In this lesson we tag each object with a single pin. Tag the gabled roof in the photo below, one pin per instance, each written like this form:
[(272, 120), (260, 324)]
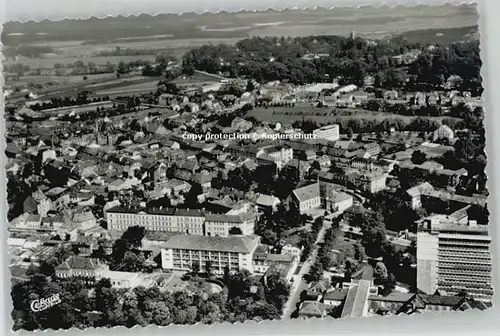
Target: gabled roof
[(419, 189), (474, 304), (319, 286), (356, 299), (312, 308), (307, 192), (267, 200), (423, 300), (79, 263)]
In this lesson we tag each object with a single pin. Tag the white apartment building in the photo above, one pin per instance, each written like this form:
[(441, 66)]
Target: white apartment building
[(181, 252), (329, 132), (454, 257)]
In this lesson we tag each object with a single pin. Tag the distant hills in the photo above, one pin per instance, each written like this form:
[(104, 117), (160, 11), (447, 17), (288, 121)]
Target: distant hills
[(442, 36), (291, 22)]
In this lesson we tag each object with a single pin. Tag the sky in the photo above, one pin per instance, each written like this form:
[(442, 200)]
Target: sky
[(24, 10)]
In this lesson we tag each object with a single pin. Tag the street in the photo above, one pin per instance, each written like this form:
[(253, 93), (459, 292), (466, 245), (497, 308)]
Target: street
[(299, 284)]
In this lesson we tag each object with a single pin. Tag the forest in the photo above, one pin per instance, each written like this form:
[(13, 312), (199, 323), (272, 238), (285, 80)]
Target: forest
[(352, 59)]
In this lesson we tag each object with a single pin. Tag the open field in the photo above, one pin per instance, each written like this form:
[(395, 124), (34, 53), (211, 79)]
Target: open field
[(114, 81), (68, 58), (320, 115), (130, 89)]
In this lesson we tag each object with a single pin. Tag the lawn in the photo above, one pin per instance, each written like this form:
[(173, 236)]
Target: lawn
[(344, 246), (176, 283)]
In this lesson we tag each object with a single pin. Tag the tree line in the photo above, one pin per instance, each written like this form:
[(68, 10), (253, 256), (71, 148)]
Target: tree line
[(272, 58)]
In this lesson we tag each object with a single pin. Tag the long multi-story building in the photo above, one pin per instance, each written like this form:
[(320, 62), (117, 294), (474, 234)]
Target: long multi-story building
[(156, 219), (454, 258), (193, 222), (181, 252)]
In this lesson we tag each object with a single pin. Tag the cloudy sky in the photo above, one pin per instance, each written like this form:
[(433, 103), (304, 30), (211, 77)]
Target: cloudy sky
[(23, 10)]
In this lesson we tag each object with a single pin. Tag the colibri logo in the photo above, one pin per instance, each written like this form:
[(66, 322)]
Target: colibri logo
[(46, 303)]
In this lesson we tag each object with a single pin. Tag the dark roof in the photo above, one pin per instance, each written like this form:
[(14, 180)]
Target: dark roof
[(157, 211), (79, 263), (209, 243), (393, 297), (336, 295), (474, 304), (423, 300)]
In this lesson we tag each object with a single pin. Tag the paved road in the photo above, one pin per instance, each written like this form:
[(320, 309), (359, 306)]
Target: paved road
[(299, 284)]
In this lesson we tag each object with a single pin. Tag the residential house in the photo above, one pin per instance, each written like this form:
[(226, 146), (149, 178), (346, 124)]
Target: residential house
[(80, 267), (436, 302), (267, 202), (338, 202), (389, 304), (311, 309), (444, 132), (334, 298), (372, 148), (414, 194), (84, 220)]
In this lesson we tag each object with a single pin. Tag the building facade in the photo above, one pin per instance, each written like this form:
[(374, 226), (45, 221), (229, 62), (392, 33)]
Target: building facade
[(307, 197), (181, 252), (454, 259), (165, 219), (329, 132), (225, 225)]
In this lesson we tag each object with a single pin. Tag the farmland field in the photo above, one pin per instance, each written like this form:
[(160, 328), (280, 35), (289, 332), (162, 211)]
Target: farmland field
[(365, 28), (63, 79), (320, 115), (65, 59)]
